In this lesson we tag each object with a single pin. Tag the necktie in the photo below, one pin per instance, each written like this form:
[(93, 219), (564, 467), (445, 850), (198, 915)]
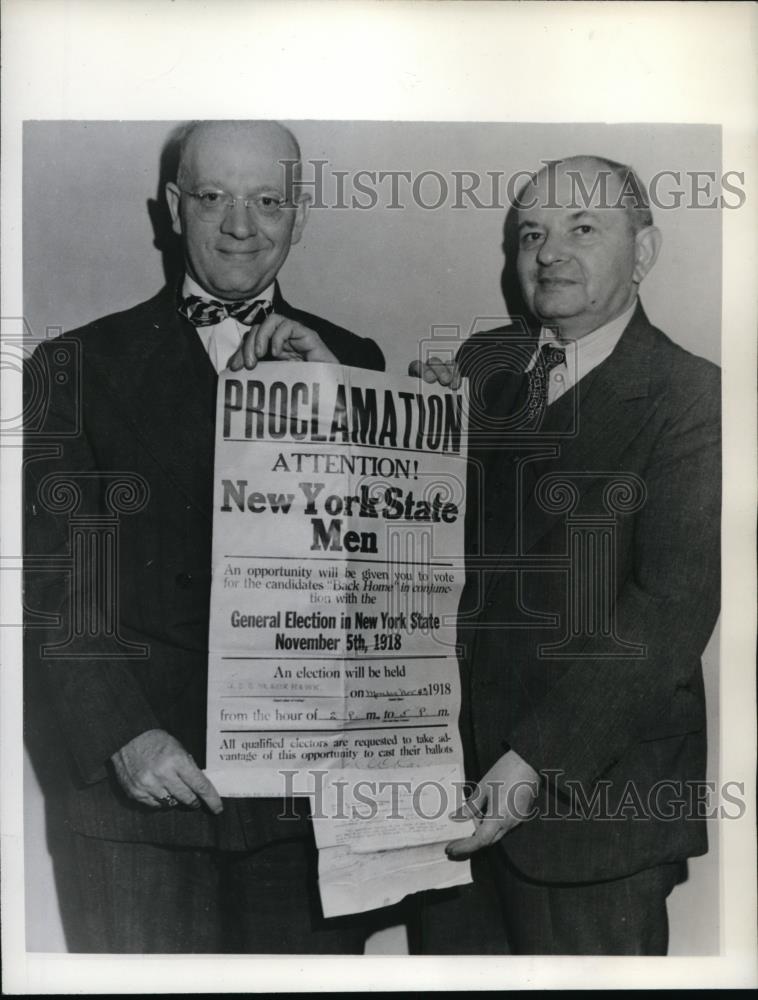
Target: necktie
[(209, 312), (539, 378)]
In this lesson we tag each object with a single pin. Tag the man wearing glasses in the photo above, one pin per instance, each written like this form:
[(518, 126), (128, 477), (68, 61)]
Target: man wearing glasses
[(156, 862)]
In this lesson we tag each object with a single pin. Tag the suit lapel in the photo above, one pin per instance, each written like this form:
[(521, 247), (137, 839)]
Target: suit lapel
[(278, 302), (172, 406), (609, 407)]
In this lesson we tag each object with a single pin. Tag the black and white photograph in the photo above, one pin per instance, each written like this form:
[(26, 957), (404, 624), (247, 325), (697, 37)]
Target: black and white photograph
[(380, 548)]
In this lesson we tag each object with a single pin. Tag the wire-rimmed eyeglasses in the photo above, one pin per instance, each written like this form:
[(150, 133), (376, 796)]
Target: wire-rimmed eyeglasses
[(212, 203)]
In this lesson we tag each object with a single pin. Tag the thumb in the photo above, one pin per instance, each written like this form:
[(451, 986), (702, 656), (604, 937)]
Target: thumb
[(201, 785)]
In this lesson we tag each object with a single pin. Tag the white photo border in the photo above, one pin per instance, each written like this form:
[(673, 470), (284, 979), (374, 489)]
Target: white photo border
[(613, 62)]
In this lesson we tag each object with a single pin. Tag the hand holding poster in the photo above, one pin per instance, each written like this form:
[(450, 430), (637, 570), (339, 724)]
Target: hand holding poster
[(337, 569)]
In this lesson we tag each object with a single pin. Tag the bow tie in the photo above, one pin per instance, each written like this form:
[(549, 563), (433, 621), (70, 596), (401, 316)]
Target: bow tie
[(209, 312)]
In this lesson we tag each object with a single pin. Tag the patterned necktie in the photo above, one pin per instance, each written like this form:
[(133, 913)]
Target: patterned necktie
[(539, 378), (209, 312)]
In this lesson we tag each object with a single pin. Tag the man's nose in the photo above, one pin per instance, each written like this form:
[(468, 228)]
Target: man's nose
[(552, 250), (239, 221)]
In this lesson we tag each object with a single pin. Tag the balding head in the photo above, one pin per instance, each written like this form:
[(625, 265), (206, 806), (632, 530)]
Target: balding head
[(236, 204), (586, 241), (589, 181), (268, 135)]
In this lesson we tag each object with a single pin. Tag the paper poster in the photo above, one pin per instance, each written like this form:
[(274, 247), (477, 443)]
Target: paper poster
[(337, 571)]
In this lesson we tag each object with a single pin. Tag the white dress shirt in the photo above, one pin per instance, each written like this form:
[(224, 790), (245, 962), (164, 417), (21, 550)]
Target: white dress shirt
[(221, 340), (582, 355)]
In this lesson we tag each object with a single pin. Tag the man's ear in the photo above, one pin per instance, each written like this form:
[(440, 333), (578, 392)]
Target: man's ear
[(302, 208), (647, 245), (173, 195)]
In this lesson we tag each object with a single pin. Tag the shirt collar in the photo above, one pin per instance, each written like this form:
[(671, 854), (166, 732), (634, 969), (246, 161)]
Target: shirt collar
[(191, 287), (587, 352)]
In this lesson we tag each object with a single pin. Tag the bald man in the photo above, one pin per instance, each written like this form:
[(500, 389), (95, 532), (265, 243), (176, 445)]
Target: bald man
[(155, 860), (593, 577)]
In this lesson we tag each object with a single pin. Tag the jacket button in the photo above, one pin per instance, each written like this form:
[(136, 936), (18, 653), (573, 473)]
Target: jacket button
[(184, 580)]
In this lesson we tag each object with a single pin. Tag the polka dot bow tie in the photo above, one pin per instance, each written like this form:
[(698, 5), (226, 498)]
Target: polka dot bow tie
[(209, 312)]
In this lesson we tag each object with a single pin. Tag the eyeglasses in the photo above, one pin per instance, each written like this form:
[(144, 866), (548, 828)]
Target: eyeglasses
[(212, 204)]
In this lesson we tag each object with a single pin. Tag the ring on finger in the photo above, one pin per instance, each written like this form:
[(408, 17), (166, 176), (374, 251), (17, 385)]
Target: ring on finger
[(169, 801)]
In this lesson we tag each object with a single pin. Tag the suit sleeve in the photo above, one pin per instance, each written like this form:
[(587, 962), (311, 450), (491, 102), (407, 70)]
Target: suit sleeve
[(366, 353), (669, 604), (350, 349), (98, 701)]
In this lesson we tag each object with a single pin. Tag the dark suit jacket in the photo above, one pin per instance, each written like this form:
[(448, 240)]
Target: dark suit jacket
[(145, 404), (600, 717)]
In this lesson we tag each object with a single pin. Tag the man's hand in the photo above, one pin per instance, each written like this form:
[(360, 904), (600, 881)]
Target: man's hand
[(289, 341), (503, 799), (436, 370), (154, 765)]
